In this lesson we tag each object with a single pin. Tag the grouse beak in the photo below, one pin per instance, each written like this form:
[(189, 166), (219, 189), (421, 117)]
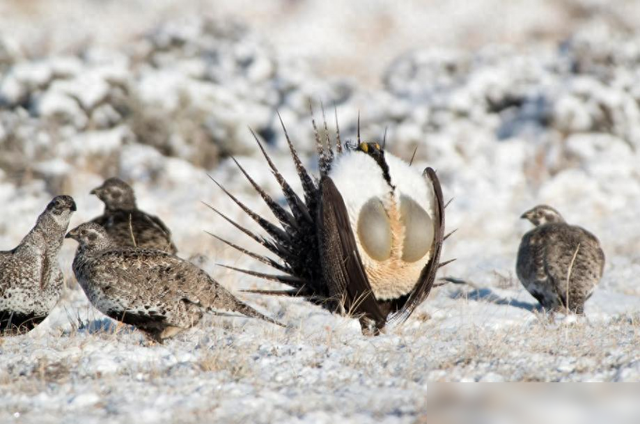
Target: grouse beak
[(524, 215), (71, 234), (95, 191), (73, 207)]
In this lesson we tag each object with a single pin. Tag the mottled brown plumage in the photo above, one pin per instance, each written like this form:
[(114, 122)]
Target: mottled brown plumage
[(30, 278), (125, 223), (153, 290), (559, 264)]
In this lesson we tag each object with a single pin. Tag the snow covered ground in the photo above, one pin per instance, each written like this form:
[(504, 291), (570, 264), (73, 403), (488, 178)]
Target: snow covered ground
[(507, 125)]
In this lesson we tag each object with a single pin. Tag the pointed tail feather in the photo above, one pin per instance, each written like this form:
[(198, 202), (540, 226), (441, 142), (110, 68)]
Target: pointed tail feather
[(276, 250), (384, 140), (287, 293), (338, 141), (324, 159), (299, 209), (413, 156), (252, 313), (261, 258), (326, 131), (308, 185), (284, 279), (277, 233), (248, 311), (319, 146), (448, 203), (449, 234), (285, 217), (445, 263), (316, 300)]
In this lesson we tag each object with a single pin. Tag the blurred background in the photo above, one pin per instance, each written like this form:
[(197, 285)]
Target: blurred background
[(359, 38), (514, 103), (530, 403)]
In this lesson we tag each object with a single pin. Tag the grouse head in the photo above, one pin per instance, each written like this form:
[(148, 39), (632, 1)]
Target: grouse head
[(59, 211), (542, 214), (90, 236), (116, 195)]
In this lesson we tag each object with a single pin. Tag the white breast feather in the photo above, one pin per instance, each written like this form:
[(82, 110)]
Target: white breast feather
[(359, 178)]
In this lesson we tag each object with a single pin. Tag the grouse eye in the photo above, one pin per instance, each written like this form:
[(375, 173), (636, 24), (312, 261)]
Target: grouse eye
[(93, 236), (418, 235), (374, 231), (116, 194)]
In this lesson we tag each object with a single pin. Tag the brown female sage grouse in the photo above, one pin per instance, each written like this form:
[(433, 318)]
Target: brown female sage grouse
[(559, 264), (365, 240), (158, 293), (125, 223), (30, 278)]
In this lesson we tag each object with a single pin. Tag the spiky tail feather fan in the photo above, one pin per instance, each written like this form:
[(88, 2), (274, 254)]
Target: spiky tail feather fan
[(297, 245), (295, 241)]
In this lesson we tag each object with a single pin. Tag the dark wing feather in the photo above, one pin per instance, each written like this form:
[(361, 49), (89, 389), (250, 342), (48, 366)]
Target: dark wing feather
[(342, 267), (428, 274), (101, 220), (158, 223), (148, 230)]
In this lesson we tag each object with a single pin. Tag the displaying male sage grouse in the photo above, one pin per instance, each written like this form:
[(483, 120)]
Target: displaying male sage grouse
[(559, 264), (30, 278), (152, 290), (125, 223), (365, 240)]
